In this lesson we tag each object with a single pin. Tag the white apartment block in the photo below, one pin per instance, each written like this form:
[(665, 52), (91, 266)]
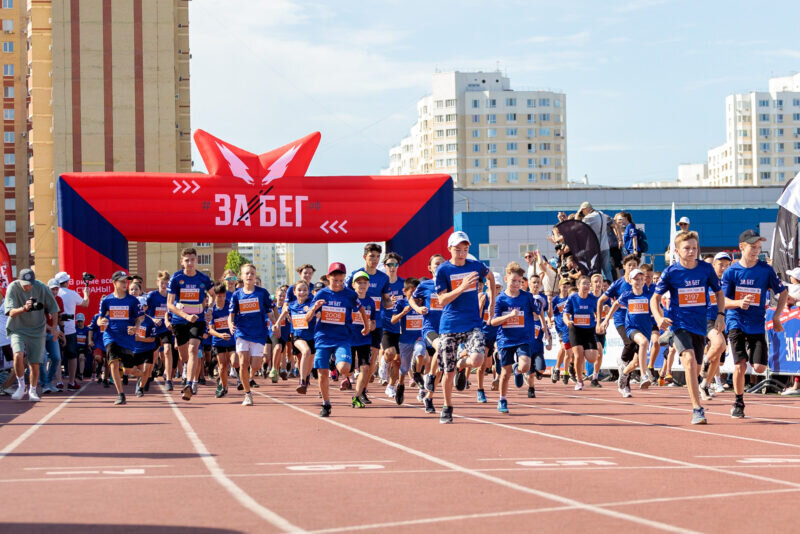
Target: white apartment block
[(762, 137), (478, 130), (276, 262)]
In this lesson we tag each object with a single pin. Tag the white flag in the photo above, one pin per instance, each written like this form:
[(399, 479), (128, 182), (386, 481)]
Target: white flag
[(790, 199), (672, 256)]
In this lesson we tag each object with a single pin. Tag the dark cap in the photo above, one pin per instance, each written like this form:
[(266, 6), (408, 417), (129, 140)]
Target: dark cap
[(26, 276), (120, 275), (750, 236), (337, 267), (318, 286)]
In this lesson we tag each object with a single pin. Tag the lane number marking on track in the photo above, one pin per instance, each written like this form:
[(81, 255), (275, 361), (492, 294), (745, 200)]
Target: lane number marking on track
[(564, 463), (82, 472), (334, 467)]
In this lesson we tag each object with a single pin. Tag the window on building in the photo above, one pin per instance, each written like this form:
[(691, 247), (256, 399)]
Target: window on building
[(12, 250), (492, 177), (511, 132), (439, 163), (779, 162), (763, 132), (476, 178), (511, 102), (512, 162), (476, 119), (450, 103), (763, 117), (487, 251), (491, 148), (513, 177), (8, 137), (9, 159), (544, 146), (511, 147), (476, 163), (556, 103), (531, 103), (491, 102), (796, 102), (8, 4), (778, 132), (531, 163), (204, 259), (202, 244), (8, 46), (544, 102), (452, 147), (451, 162), (439, 104), (476, 147), (11, 226), (491, 118), (8, 114), (531, 132), (781, 177), (544, 132), (764, 147), (797, 160), (451, 117), (451, 132), (8, 25), (779, 117), (532, 148), (764, 161), (8, 91), (546, 162), (439, 148), (544, 116), (10, 204), (796, 116), (763, 103), (491, 132), (531, 118), (476, 104), (511, 117), (547, 175), (8, 69), (438, 133), (765, 176), (476, 134), (438, 118), (779, 147), (492, 163)]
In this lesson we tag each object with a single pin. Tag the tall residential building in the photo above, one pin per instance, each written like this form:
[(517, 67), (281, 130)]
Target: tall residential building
[(276, 262), (486, 135), (13, 14), (762, 137), (109, 91)]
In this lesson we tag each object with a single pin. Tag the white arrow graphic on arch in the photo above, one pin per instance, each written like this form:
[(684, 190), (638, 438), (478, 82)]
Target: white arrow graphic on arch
[(177, 186), (322, 226), (334, 227), (196, 187)]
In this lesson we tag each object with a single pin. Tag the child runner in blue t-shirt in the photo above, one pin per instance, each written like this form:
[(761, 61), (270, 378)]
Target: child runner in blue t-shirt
[(410, 342), (222, 342)]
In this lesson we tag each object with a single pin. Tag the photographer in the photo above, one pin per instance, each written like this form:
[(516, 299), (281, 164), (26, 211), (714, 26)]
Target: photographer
[(27, 303), (71, 301)]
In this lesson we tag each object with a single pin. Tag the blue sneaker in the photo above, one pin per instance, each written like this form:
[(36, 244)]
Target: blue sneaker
[(699, 416), (481, 396), (502, 406), (519, 380)]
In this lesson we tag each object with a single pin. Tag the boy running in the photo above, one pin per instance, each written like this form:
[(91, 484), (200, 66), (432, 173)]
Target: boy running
[(222, 342), (557, 305), (302, 331), (431, 311), (411, 344), (361, 344), (579, 316)]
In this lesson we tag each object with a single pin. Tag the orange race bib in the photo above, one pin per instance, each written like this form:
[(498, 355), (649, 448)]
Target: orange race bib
[(712, 299), (582, 320), (457, 279), (435, 302), (249, 305), (413, 322), (332, 315), (638, 306), (357, 316), (537, 331), (161, 312), (518, 321), (221, 323), (81, 339), (103, 328), (118, 312), (377, 301), (486, 315), (742, 292), (192, 309), (141, 331), (299, 322), (691, 296), (189, 294)]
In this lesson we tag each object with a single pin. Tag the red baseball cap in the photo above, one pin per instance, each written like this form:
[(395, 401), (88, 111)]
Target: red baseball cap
[(337, 267)]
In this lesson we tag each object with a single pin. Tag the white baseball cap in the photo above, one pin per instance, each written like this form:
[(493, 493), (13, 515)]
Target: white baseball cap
[(634, 273), (726, 256), (62, 277), (684, 220), (794, 273), (457, 238)]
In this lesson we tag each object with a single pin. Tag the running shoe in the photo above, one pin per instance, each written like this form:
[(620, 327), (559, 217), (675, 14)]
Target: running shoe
[(621, 381), (220, 392), (73, 387), (789, 392), (356, 403), (718, 388), (418, 380), (240, 386), (705, 392), (446, 417), (430, 382), (248, 399), (345, 385), (461, 380), (565, 378), (538, 374), (302, 388), (626, 392), (187, 393), (579, 385), (253, 383), (429, 406), (390, 392), (699, 416), (519, 380), (201, 381), (32, 395), (572, 374), (400, 396), (120, 399), (554, 375), (283, 374), (644, 384), (502, 406), (595, 383), (194, 388), (481, 396), (737, 412), (421, 395), (169, 385), (495, 383), (383, 372), (139, 392), (652, 376), (531, 393), (273, 375), (364, 398), (325, 411), (19, 393)]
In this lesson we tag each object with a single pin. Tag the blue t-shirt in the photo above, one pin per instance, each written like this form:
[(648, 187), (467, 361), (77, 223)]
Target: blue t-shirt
[(378, 287), (430, 321), (121, 313), (410, 324), (517, 330), (712, 310), (356, 338), (191, 292), (250, 312), (97, 332), (638, 316), (395, 290), (582, 310), (146, 329), (297, 314), (462, 314), (83, 336), (219, 319), (335, 317), (157, 309), (739, 281), (559, 303), (489, 331), (627, 238), (613, 292), (687, 294)]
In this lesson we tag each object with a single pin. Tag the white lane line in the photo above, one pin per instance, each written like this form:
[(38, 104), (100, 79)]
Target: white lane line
[(489, 478), (547, 458), (222, 479), (621, 450), (328, 462), (8, 449), (749, 456), (118, 466), (490, 515)]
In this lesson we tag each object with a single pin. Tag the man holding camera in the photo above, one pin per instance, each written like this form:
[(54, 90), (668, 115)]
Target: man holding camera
[(71, 301), (27, 303)]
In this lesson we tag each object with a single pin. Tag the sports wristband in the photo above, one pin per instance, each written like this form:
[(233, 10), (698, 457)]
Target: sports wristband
[(720, 313)]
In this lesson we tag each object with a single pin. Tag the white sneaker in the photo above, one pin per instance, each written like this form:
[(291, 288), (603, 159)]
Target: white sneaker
[(717, 388), (421, 395), (32, 395), (248, 399), (390, 392), (50, 388), (644, 384), (790, 392), (9, 390), (626, 393), (579, 386), (383, 371), (232, 372), (19, 393)]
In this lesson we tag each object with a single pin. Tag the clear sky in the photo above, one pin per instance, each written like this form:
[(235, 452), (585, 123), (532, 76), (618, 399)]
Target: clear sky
[(645, 79)]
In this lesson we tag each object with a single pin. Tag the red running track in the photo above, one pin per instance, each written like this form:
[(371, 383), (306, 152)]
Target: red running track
[(566, 461)]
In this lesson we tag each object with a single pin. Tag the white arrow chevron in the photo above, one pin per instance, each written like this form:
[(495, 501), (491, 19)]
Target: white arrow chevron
[(333, 227), (196, 187), (186, 186), (323, 227), (341, 226), (177, 187)]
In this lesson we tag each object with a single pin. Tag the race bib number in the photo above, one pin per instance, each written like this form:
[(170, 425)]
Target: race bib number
[(560, 306), (221, 323), (435, 302), (712, 299), (190, 294), (249, 306), (299, 322), (141, 331), (537, 331), (81, 339), (689, 297), (377, 301), (582, 320), (333, 315), (518, 321), (357, 317), (161, 312), (118, 312), (103, 327), (193, 309), (638, 306), (754, 292), (413, 322), (486, 315), (457, 279)]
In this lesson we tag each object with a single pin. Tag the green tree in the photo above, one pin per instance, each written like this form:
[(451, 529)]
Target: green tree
[(235, 261)]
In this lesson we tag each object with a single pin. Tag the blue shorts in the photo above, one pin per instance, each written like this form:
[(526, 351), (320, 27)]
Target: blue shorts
[(322, 357), (508, 354), (564, 334)]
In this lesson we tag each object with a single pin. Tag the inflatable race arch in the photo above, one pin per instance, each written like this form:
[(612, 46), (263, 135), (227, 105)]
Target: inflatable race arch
[(248, 198)]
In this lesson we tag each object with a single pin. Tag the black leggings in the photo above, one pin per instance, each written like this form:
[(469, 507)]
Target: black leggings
[(630, 349)]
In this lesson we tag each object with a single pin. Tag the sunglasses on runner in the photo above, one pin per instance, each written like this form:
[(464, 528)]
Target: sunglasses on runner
[(391, 265)]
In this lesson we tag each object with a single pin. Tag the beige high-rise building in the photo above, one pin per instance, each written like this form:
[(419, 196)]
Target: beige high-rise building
[(13, 14), (109, 86), (486, 135)]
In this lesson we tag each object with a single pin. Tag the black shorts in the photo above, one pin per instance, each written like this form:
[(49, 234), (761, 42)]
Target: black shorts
[(278, 340), (377, 335), (489, 344), (216, 351), (685, 340), (582, 337), (748, 347), (431, 350), (70, 349), (8, 353), (188, 331), (140, 358), (390, 340), (115, 352), (164, 338), (310, 342), (362, 355), (601, 339)]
